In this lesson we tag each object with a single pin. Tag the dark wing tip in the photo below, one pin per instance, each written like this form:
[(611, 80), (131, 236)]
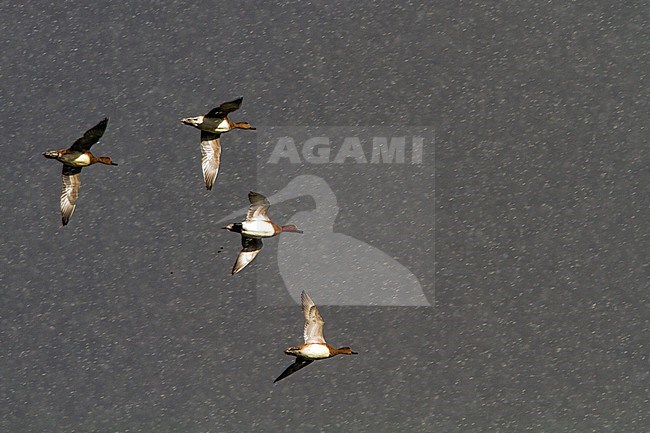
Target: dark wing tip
[(90, 137), (230, 106), (225, 108), (102, 124), (297, 365)]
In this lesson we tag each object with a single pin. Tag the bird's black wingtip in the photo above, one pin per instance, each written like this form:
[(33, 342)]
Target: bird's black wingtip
[(280, 377)]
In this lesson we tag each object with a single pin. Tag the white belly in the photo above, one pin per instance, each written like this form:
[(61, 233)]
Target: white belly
[(258, 229), (315, 351)]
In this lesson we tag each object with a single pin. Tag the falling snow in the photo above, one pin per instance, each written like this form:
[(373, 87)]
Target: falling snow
[(526, 224)]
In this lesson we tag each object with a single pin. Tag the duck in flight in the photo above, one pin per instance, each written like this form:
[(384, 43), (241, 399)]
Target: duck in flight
[(383, 280), (212, 125), (74, 159), (254, 228), (315, 346)]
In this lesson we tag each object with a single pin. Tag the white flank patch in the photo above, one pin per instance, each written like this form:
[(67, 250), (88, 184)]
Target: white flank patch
[(224, 126), (315, 351), (257, 229), (82, 159)]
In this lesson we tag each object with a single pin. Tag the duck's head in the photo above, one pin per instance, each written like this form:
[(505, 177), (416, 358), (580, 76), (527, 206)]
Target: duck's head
[(345, 351), (290, 228), (52, 154), (244, 125), (192, 121)]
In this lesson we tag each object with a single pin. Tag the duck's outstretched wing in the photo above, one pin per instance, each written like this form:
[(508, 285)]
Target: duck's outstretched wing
[(313, 331), (210, 157), (258, 210), (222, 110), (90, 137), (250, 248), (70, 183), (297, 365)]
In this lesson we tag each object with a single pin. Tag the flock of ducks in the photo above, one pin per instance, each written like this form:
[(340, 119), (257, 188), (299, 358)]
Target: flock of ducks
[(256, 226)]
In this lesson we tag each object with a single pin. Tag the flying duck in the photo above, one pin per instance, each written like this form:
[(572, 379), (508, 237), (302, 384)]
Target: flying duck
[(304, 259), (212, 125), (315, 346), (74, 159), (256, 226)]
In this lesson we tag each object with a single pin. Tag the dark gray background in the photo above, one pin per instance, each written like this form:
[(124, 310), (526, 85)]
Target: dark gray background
[(540, 321), (386, 207)]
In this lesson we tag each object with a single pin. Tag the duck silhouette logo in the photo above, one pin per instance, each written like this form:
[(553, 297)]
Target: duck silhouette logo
[(346, 270)]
